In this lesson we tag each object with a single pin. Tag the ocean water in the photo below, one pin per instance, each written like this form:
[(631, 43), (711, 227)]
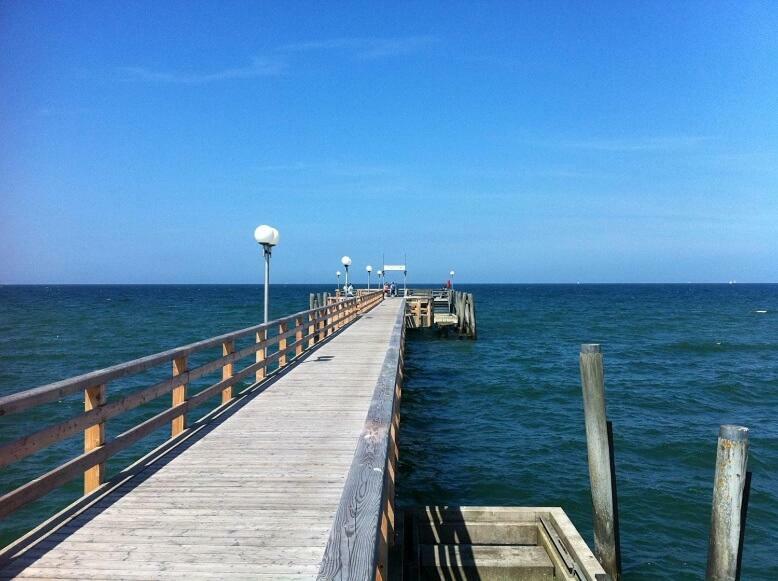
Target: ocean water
[(497, 421)]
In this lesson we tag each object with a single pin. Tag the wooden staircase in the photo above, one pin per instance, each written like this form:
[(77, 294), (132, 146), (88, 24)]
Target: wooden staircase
[(494, 544)]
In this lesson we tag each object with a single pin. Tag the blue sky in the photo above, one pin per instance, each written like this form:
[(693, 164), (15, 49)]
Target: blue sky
[(513, 142)]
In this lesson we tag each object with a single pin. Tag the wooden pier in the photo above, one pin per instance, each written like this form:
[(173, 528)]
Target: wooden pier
[(291, 477), (445, 310)]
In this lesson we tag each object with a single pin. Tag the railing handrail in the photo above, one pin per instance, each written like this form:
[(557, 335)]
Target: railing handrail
[(25, 399), (309, 326), (362, 525)]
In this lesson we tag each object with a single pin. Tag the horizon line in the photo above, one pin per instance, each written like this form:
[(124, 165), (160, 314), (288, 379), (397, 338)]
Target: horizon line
[(361, 285)]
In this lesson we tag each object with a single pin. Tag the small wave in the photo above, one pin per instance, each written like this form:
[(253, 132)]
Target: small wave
[(761, 311), (717, 346)]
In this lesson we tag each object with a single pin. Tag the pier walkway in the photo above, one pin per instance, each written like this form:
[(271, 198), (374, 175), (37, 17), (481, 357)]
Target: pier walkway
[(288, 482)]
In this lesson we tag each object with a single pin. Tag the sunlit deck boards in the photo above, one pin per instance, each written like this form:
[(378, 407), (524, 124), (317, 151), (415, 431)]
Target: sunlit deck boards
[(253, 498)]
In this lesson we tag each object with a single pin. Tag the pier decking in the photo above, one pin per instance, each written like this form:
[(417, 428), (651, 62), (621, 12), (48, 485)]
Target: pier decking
[(258, 497)]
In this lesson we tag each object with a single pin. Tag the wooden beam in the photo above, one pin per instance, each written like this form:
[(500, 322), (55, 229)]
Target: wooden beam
[(282, 330), (261, 353), (178, 424), (298, 336), (228, 347), (94, 437)]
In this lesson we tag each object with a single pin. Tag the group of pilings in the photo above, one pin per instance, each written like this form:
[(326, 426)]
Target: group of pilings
[(463, 306), (731, 484), (316, 300)]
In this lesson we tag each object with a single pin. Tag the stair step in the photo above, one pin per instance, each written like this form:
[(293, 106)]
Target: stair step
[(468, 514), (478, 533), (486, 563)]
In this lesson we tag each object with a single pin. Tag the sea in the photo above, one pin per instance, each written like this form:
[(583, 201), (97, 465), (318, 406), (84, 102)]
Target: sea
[(495, 421)]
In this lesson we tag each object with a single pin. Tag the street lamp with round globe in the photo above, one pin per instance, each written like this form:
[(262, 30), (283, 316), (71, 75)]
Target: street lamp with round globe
[(451, 274), (337, 273), (267, 237), (346, 262), (369, 269)]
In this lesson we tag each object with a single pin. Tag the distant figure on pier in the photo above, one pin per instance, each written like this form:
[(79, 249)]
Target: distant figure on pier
[(386, 289), (393, 290), (350, 291), (448, 284)]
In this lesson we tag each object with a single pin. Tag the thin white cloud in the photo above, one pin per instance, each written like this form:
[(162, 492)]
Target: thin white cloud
[(259, 67), (332, 168), (365, 48), (276, 64), (662, 143)]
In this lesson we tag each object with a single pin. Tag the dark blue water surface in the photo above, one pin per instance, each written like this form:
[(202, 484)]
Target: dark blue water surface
[(497, 421)]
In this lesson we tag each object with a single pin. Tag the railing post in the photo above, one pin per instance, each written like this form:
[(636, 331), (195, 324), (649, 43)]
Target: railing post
[(228, 348), (94, 437), (311, 329), (298, 336), (178, 424), (728, 486), (261, 336), (605, 539), (282, 328)]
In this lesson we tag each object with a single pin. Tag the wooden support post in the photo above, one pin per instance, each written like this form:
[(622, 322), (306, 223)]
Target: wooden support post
[(322, 313), (260, 375), (473, 333), (94, 437), (282, 328), (593, 383), (228, 348), (311, 329), (728, 486), (178, 424), (298, 336)]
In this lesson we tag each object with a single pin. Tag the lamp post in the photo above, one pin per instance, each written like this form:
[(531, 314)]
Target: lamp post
[(451, 274), (267, 236), (381, 279), (337, 273), (369, 269), (346, 262)]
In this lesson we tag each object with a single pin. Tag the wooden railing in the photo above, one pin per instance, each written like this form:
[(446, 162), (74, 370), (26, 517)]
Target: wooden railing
[(306, 328), (363, 530)]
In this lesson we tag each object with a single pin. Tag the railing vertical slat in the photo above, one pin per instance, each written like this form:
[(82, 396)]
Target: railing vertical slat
[(311, 329), (178, 424), (228, 348), (260, 375), (94, 437), (282, 328), (298, 336)]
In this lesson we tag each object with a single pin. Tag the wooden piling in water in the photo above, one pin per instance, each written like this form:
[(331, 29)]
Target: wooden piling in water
[(728, 486), (603, 505)]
